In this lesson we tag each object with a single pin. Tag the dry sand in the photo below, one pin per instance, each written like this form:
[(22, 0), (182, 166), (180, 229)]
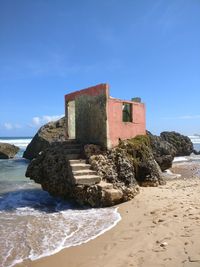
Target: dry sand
[(159, 227)]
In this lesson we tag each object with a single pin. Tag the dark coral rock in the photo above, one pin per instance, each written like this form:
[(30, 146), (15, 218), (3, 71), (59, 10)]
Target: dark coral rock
[(147, 171), (163, 151), (50, 169), (182, 143), (47, 134), (8, 151)]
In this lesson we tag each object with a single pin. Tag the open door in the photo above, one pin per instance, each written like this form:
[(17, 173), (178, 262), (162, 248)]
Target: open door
[(71, 120)]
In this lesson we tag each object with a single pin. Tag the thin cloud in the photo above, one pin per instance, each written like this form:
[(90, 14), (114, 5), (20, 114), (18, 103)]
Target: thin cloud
[(11, 126), (8, 126), (184, 117), (39, 121)]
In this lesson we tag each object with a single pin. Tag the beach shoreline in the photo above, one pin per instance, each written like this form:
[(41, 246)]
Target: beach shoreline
[(159, 227)]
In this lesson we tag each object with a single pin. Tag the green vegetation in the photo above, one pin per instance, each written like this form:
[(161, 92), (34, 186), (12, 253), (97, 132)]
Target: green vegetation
[(138, 150)]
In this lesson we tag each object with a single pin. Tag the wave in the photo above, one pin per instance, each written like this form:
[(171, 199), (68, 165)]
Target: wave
[(46, 225), (195, 139), (191, 158), (22, 142)]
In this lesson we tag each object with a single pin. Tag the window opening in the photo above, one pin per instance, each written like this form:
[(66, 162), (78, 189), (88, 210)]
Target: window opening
[(127, 112)]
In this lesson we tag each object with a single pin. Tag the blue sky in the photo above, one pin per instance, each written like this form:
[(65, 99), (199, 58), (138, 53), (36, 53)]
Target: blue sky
[(146, 48)]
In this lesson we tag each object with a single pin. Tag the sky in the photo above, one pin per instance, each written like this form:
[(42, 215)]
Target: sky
[(145, 48)]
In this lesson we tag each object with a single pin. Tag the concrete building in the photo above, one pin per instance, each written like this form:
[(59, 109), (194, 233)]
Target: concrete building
[(93, 117)]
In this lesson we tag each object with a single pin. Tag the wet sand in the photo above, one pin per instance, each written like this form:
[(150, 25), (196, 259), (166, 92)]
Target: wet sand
[(159, 227)]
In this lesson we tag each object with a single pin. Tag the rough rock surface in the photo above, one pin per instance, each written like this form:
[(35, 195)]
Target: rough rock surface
[(122, 170), (8, 151), (182, 143), (50, 169), (147, 171), (114, 167), (163, 151), (196, 152), (135, 162), (131, 163), (47, 134)]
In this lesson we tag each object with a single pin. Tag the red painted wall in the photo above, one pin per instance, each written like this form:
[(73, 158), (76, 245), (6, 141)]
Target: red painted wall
[(116, 128), (124, 130)]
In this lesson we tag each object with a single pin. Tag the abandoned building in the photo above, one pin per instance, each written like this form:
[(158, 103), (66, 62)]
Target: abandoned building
[(94, 117)]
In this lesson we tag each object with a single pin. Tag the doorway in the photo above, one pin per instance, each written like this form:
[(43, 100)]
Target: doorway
[(71, 120)]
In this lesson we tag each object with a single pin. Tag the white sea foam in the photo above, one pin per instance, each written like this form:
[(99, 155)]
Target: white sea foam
[(180, 159), (22, 143), (35, 225), (190, 158), (195, 139)]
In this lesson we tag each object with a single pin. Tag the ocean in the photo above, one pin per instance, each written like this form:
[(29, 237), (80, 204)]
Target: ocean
[(32, 223), (195, 140)]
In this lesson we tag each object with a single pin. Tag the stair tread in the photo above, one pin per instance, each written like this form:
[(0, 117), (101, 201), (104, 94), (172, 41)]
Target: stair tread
[(87, 176), (83, 171), (77, 160), (80, 164)]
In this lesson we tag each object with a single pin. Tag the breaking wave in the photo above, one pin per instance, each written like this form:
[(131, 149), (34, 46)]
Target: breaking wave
[(33, 224)]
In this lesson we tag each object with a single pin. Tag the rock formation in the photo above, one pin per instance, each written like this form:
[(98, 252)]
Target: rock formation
[(8, 151), (163, 151), (169, 145), (182, 144), (105, 177), (50, 169), (47, 134), (118, 172), (147, 171), (196, 152)]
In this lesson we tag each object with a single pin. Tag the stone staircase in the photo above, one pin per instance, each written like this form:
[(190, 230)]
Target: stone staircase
[(81, 173), (73, 150)]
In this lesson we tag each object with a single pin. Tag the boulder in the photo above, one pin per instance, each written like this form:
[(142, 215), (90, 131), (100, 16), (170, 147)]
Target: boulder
[(147, 171), (50, 169), (196, 152), (121, 171), (8, 151), (47, 134), (182, 143), (114, 166), (163, 151)]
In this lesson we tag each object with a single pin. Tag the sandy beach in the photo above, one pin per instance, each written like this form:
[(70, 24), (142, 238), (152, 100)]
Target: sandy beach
[(159, 227)]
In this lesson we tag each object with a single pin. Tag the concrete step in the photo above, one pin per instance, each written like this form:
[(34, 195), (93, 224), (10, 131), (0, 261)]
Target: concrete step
[(72, 161), (105, 185), (113, 195), (87, 179), (73, 157), (84, 172), (80, 166)]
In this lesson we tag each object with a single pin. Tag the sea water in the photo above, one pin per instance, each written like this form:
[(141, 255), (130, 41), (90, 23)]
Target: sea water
[(32, 223)]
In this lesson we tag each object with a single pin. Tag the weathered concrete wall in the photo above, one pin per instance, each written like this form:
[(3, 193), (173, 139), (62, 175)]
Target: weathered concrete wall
[(92, 91), (124, 130), (99, 117), (90, 110), (91, 119), (71, 119)]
